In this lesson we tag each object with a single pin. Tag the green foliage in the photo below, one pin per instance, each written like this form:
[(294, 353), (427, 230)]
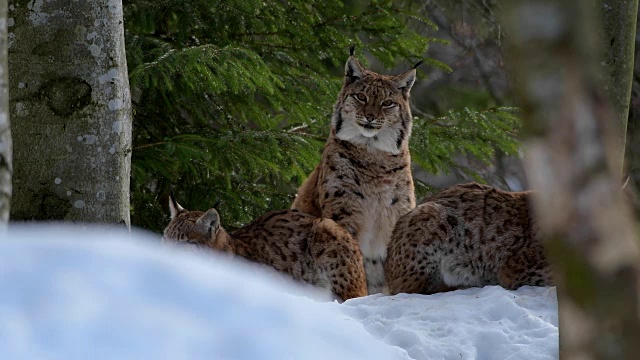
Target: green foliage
[(232, 99), (478, 134)]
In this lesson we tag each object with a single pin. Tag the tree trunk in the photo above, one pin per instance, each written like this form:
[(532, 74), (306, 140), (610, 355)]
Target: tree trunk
[(5, 130), (632, 149), (619, 23), (71, 111), (572, 157)]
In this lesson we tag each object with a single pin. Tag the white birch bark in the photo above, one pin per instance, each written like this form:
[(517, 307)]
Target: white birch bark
[(71, 111)]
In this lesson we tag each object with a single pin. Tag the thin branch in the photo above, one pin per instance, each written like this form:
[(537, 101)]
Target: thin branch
[(149, 145)]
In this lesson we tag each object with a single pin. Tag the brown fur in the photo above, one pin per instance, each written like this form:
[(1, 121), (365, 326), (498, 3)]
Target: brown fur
[(363, 181), (316, 251), (467, 235)]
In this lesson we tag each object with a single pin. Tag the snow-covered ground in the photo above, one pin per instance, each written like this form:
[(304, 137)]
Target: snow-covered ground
[(103, 294), (478, 323)]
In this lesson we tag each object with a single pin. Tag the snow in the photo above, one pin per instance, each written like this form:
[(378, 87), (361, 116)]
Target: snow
[(476, 323), (101, 293)]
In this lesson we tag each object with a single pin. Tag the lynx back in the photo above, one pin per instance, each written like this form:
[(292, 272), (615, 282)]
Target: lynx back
[(467, 235), (316, 251)]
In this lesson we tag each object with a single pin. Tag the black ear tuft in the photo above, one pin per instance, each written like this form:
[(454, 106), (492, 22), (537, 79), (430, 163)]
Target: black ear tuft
[(352, 50), (218, 202), (174, 207), (405, 81), (417, 64), (210, 219), (353, 70), (172, 199)]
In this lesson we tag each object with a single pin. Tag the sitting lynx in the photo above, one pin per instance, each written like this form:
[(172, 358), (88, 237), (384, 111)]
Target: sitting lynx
[(316, 251), (467, 235), (363, 181)]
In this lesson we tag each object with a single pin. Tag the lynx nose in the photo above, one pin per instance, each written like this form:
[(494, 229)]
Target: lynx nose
[(369, 118)]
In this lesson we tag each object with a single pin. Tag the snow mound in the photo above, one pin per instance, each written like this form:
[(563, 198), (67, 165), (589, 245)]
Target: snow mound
[(103, 294), (478, 323)]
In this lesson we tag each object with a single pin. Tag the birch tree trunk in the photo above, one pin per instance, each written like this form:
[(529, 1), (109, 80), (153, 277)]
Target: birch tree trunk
[(572, 160), (5, 130), (71, 111)]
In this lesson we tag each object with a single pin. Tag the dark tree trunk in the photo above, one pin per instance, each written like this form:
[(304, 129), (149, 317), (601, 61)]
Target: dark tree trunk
[(71, 111), (6, 162), (632, 149), (619, 22), (573, 153)]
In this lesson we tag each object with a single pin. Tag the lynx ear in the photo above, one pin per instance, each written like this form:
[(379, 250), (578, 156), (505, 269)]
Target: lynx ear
[(174, 207), (210, 219), (353, 71), (405, 81)]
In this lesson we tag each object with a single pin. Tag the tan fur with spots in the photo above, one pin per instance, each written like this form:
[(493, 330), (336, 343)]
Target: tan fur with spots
[(363, 181), (316, 251), (465, 236)]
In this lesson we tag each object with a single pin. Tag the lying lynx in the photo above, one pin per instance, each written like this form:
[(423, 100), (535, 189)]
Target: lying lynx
[(316, 251), (363, 181), (467, 235)]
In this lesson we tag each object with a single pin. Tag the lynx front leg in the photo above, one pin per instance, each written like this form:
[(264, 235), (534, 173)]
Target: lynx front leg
[(345, 207), (338, 259), (374, 268)]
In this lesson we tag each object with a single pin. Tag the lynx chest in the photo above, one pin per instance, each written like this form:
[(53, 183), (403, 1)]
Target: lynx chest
[(367, 194)]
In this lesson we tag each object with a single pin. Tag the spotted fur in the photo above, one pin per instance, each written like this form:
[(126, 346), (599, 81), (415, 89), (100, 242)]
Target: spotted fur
[(467, 235), (363, 181), (316, 251)]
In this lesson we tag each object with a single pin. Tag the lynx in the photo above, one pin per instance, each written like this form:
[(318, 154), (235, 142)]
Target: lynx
[(467, 235), (312, 250), (363, 181)]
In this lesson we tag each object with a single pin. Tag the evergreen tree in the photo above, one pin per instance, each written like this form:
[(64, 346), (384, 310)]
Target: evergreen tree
[(232, 99)]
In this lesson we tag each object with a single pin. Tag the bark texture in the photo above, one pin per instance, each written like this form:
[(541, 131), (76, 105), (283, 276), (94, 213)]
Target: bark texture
[(6, 169), (572, 160), (619, 23), (632, 152), (71, 111)]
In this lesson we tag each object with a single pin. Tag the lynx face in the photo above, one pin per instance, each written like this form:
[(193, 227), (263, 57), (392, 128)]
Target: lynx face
[(191, 227), (373, 109)]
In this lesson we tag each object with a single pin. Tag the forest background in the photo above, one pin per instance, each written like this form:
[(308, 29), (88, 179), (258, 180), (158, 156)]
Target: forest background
[(232, 100)]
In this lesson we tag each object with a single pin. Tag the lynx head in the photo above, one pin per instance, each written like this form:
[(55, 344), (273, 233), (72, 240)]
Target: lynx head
[(198, 228), (373, 109)]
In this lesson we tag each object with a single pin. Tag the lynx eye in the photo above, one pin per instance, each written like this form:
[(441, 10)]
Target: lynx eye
[(361, 97), (388, 103)]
